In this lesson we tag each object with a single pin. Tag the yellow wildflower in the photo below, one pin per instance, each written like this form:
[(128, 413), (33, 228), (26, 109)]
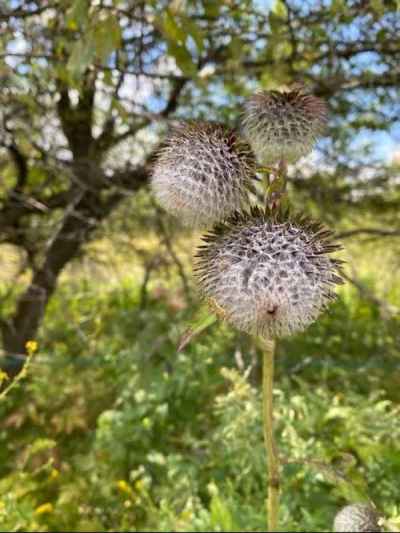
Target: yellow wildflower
[(31, 346), (140, 485), (124, 487), (54, 473), (44, 508)]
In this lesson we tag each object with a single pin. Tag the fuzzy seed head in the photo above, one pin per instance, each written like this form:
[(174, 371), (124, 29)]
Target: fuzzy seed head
[(357, 517), (268, 274), (283, 125), (202, 173)]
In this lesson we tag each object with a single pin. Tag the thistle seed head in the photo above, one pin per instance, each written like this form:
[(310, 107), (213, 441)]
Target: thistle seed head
[(357, 517), (283, 125), (202, 173), (268, 273)]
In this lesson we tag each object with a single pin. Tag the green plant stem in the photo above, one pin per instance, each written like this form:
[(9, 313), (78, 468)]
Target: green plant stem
[(22, 374), (272, 456), (274, 181)]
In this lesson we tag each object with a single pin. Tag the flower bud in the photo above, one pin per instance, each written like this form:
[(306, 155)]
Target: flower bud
[(283, 125), (202, 173), (268, 273), (357, 517)]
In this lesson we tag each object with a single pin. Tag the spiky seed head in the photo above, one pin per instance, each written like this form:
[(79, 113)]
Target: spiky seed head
[(357, 517), (267, 273), (202, 173), (283, 125)]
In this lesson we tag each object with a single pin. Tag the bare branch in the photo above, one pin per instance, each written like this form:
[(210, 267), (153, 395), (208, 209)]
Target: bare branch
[(387, 310), (171, 251)]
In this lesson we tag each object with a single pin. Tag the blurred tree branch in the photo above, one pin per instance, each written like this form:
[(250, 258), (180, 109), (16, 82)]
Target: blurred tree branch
[(387, 311)]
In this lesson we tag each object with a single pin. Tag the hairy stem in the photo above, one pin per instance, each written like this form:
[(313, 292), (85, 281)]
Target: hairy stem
[(274, 181), (272, 456)]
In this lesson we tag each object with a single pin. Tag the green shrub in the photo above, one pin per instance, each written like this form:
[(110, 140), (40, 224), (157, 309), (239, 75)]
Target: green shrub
[(113, 430)]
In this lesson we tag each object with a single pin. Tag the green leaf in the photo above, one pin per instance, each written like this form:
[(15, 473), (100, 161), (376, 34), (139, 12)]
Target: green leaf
[(176, 34), (196, 329), (61, 72), (107, 37), (83, 53), (338, 6), (171, 30), (195, 32), (40, 445), (378, 6), (211, 8), (183, 59), (77, 15), (279, 9), (37, 175), (220, 514)]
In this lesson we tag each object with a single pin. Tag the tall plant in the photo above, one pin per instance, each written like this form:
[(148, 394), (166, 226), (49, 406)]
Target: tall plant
[(264, 270)]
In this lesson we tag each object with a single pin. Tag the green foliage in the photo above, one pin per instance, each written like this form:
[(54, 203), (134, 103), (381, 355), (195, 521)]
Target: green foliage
[(113, 430), (102, 37)]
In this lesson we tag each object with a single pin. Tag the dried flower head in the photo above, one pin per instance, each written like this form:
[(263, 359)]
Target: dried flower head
[(268, 273), (202, 173), (357, 517), (283, 125)]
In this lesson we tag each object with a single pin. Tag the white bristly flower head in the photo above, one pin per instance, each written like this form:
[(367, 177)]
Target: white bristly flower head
[(283, 125), (268, 273), (202, 173), (357, 517)]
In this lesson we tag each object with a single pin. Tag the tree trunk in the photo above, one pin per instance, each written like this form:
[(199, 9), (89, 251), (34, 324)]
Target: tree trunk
[(75, 230)]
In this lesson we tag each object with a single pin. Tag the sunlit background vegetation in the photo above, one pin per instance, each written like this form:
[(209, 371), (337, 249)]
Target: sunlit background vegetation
[(111, 428)]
